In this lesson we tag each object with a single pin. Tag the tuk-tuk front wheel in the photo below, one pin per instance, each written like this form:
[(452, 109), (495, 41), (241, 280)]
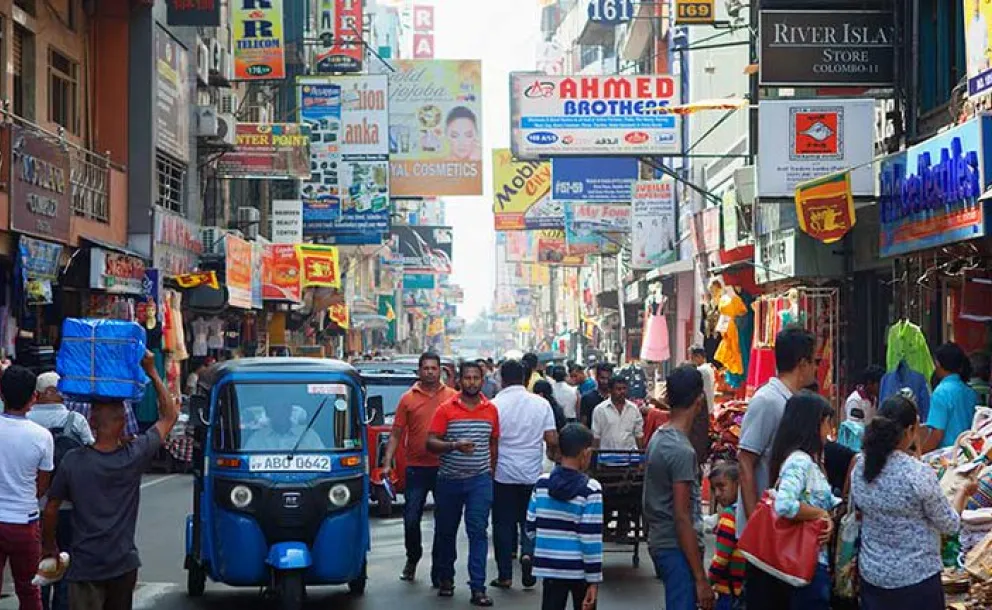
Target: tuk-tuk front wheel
[(357, 586), (290, 590), (196, 579)]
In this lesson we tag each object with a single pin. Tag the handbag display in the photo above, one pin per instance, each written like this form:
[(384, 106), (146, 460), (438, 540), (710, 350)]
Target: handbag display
[(786, 549)]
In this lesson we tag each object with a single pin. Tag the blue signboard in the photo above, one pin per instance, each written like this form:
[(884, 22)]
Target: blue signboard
[(929, 194), (593, 179), (418, 281), (610, 12)]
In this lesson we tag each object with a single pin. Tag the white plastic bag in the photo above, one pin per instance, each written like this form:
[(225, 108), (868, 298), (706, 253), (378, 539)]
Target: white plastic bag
[(49, 571)]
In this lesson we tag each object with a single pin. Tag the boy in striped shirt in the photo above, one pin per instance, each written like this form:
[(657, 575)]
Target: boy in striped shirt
[(727, 569), (565, 519)]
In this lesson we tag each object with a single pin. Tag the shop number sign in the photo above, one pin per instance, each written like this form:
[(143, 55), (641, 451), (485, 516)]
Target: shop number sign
[(694, 12), (611, 12)]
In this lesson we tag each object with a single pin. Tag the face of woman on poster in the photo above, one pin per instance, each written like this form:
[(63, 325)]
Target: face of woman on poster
[(463, 137)]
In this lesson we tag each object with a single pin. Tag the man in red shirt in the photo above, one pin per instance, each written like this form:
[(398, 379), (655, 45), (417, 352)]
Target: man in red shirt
[(464, 433), (410, 426)]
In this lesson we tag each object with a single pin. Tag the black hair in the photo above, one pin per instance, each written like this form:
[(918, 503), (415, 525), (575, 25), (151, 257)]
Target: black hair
[(17, 386), (530, 360), (461, 112), (813, 387), (428, 356), (793, 344), (512, 373), (603, 367), (952, 359), (981, 367), (558, 373), (543, 389), (884, 432), (573, 439), (470, 364), (574, 367), (725, 469), (697, 350), (800, 429), (683, 387), (872, 374), (616, 380)]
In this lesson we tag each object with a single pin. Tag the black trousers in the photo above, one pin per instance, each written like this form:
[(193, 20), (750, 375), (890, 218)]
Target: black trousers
[(555, 593), (762, 590)]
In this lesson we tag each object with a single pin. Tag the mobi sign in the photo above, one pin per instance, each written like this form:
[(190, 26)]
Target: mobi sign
[(594, 115)]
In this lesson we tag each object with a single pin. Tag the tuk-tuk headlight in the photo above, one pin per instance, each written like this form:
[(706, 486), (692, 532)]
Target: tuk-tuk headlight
[(339, 495), (241, 496)]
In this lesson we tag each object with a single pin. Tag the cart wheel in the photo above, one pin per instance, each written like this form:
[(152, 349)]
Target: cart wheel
[(196, 579), (357, 586), (289, 589), (636, 560), (384, 504)]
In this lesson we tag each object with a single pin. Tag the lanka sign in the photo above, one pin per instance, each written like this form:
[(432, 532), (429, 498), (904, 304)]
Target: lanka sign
[(259, 52), (522, 194), (930, 193), (319, 265), (825, 207)]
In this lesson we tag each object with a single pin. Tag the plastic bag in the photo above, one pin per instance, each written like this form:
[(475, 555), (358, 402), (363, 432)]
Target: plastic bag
[(49, 572), (846, 555)]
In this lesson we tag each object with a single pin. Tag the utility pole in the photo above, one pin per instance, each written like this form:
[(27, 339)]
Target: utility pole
[(755, 89)]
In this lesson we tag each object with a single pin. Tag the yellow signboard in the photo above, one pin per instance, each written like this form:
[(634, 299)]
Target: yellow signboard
[(522, 194), (695, 12)]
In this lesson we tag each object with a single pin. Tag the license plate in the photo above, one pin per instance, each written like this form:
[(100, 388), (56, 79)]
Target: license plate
[(296, 463)]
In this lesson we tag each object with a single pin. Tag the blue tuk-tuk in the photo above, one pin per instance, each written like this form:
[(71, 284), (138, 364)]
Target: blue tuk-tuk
[(281, 486)]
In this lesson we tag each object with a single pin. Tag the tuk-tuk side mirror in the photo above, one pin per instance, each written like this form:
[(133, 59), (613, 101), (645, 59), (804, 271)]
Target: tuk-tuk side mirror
[(199, 409), (374, 411)]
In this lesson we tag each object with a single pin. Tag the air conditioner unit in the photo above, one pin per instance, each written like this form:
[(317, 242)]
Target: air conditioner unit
[(226, 127), (215, 53), (248, 220), (213, 239), (202, 63), (206, 122), (228, 103), (226, 68)]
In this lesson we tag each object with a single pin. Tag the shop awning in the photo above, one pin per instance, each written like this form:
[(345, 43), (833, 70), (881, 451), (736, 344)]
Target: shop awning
[(682, 266)]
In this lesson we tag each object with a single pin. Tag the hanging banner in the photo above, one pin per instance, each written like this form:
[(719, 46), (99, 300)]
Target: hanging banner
[(257, 250), (553, 250), (652, 223), (978, 41), (521, 246), (319, 266), (200, 278), (825, 207), (281, 273), (594, 115), (238, 271), (600, 217), (578, 241), (340, 315), (267, 151), (340, 23), (522, 194), (423, 249), (320, 109), (593, 179), (177, 246), (259, 52), (435, 128)]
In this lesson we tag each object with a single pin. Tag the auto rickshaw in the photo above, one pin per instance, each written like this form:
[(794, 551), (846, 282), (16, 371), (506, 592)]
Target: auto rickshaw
[(281, 490)]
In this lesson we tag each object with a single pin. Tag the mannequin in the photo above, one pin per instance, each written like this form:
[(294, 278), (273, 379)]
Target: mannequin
[(791, 314), (655, 346), (710, 316)]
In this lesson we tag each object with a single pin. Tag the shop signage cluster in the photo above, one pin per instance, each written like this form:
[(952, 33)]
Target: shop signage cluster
[(652, 224), (522, 194), (593, 179), (116, 273), (267, 150), (193, 13), (424, 249), (281, 273), (259, 48), (339, 23), (423, 32), (435, 128), (171, 96), (177, 246), (594, 115), (827, 48), (978, 40), (40, 202), (287, 221), (238, 270), (930, 193), (803, 140)]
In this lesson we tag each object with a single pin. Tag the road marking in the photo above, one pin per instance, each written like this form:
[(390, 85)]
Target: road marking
[(154, 482)]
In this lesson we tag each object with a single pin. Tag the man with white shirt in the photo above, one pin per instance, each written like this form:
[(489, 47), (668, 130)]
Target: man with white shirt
[(617, 423), (698, 355), (566, 394), (526, 424), (27, 456)]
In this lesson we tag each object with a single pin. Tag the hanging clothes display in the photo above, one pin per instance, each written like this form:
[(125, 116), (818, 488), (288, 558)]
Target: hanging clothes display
[(906, 342), (708, 319), (745, 334), (655, 345), (905, 378), (729, 352), (200, 329), (179, 352)]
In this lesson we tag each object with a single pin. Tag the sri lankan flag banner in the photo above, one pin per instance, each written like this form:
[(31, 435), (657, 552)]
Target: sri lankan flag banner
[(825, 207), (203, 278), (340, 315)]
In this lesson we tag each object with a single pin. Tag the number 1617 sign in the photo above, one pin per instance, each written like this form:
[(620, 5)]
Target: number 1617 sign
[(611, 12)]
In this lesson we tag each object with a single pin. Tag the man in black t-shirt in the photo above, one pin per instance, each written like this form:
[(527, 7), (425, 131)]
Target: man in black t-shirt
[(591, 400)]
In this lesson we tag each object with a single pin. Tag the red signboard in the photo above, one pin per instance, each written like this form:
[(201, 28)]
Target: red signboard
[(342, 26), (267, 150), (281, 273)]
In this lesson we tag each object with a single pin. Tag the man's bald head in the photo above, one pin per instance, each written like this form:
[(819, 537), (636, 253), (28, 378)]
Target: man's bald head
[(108, 419)]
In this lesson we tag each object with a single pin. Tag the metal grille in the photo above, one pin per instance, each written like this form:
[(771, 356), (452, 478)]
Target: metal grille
[(90, 178), (171, 178)]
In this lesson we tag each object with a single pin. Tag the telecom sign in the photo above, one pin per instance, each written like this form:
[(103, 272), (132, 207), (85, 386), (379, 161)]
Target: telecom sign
[(610, 12), (594, 115)]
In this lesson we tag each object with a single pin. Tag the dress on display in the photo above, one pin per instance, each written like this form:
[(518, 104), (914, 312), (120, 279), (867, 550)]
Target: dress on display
[(745, 333), (729, 352), (655, 347), (200, 329)]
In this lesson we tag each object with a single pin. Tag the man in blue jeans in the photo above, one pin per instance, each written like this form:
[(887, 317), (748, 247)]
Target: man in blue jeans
[(672, 506), (464, 433), (414, 415)]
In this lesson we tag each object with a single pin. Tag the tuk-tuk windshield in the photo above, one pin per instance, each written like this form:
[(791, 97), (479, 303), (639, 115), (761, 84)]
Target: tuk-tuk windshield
[(260, 417)]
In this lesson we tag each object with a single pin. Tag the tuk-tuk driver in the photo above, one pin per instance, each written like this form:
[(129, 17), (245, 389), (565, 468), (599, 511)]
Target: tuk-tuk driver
[(281, 433)]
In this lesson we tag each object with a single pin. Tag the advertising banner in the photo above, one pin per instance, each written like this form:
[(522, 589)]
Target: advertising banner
[(978, 34), (281, 273), (237, 265), (803, 140), (929, 193), (193, 13), (177, 246), (319, 266), (435, 128), (521, 246), (287, 221), (320, 109), (595, 115), (116, 273), (418, 281), (259, 50), (522, 194), (552, 249), (835, 48), (39, 264), (423, 249), (652, 224), (600, 217), (257, 254), (341, 23), (171, 96), (40, 189), (580, 241), (593, 179), (267, 150)]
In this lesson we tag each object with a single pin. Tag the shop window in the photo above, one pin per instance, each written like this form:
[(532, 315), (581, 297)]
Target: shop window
[(23, 68), (171, 178), (63, 91), (941, 57), (90, 177)]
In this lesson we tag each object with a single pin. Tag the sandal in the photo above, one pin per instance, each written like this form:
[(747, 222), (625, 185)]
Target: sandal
[(501, 584), (446, 589), (479, 598), (527, 569), (409, 572)]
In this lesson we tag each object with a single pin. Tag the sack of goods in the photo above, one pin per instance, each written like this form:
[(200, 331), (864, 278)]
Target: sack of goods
[(101, 359)]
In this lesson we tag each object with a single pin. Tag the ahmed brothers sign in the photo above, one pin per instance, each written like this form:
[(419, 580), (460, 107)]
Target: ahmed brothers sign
[(827, 48)]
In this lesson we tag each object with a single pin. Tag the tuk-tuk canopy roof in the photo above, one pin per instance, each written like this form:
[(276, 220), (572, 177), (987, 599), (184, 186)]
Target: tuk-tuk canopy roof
[(277, 366)]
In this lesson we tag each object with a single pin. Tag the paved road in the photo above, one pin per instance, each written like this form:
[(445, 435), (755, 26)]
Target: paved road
[(167, 498)]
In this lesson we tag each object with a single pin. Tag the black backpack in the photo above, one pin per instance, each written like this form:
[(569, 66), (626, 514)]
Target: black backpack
[(65, 439)]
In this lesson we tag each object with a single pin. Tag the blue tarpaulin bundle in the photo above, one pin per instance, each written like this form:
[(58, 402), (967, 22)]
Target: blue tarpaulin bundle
[(101, 359)]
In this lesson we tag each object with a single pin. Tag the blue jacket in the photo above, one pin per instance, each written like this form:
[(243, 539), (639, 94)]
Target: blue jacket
[(905, 377)]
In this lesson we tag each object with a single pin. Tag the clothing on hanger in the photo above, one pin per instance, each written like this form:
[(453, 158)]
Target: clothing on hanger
[(729, 352), (200, 331), (906, 342), (906, 378), (655, 345)]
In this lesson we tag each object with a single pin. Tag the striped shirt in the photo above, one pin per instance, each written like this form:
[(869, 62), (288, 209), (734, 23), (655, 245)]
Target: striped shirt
[(568, 536), (727, 569), (131, 427), (455, 421)]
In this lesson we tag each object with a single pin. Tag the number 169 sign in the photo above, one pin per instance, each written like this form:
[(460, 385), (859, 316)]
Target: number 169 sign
[(611, 12), (692, 12)]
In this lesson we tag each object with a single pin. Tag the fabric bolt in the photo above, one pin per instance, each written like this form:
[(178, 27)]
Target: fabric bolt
[(729, 352), (906, 343), (952, 408), (20, 544), (903, 514), (671, 459), (617, 430), (414, 415), (473, 496), (565, 522), (420, 480), (509, 520), (680, 587), (905, 377), (802, 482), (568, 397), (26, 448), (728, 565), (455, 421), (524, 418)]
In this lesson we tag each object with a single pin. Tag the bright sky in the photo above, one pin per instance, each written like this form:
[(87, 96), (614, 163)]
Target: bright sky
[(504, 35)]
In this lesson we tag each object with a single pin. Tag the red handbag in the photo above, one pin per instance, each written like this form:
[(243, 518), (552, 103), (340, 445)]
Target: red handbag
[(786, 549)]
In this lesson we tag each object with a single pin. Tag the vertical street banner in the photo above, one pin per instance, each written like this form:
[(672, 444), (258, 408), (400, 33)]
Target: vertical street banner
[(652, 224), (171, 96), (435, 128), (257, 256), (825, 207), (259, 48), (522, 194), (977, 34), (339, 27), (238, 271), (423, 31), (281, 273), (320, 109)]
